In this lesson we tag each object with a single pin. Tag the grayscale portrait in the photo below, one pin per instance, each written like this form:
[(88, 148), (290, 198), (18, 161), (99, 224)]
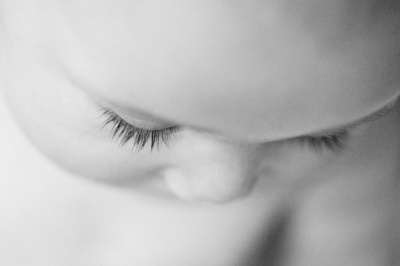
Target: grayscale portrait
[(199, 133)]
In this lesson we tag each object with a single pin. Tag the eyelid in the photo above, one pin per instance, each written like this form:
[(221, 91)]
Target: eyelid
[(146, 123), (379, 114), (130, 112), (385, 110)]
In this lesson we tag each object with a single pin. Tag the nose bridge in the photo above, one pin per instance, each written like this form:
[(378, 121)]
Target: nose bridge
[(212, 169)]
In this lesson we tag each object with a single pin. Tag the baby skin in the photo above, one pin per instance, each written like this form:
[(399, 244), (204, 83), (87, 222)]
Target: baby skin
[(239, 133)]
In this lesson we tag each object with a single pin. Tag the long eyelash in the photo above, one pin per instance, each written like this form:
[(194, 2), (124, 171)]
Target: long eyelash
[(333, 141), (123, 131)]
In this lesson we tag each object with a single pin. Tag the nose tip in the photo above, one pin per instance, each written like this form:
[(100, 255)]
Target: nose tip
[(210, 184), (214, 172)]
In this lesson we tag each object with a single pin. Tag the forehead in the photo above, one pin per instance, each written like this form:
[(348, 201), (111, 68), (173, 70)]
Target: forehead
[(249, 69)]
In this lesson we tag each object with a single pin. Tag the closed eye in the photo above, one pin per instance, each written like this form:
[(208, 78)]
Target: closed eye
[(124, 132)]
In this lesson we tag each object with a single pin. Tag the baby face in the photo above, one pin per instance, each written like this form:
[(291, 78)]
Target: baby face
[(247, 89)]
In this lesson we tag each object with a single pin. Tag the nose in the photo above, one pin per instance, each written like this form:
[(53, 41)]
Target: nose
[(210, 169)]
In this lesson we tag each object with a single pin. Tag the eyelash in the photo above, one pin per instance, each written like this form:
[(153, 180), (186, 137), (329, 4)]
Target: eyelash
[(124, 131), (333, 141)]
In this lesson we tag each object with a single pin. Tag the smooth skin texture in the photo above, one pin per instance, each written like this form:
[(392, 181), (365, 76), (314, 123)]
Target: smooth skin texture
[(242, 80)]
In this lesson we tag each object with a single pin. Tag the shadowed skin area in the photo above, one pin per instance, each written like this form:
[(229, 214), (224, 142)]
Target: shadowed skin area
[(243, 81)]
